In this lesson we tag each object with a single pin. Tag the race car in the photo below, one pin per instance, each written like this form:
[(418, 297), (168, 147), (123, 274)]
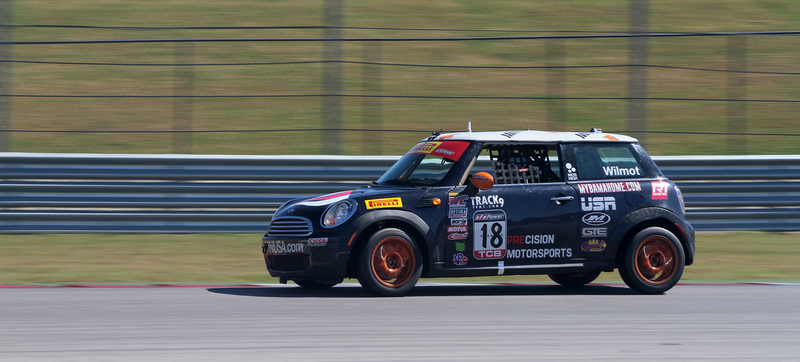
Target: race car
[(568, 205)]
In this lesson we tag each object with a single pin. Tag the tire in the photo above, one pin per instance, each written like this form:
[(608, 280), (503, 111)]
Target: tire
[(574, 279), (390, 264), (653, 261), (314, 284)]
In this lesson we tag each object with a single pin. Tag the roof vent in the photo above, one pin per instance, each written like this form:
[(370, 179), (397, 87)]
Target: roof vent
[(596, 130)]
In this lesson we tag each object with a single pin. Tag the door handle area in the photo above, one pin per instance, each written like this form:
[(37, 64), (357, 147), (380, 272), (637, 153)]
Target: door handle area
[(561, 199)]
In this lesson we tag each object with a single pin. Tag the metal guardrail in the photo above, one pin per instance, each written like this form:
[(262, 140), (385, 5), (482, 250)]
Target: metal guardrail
[(93, 193)]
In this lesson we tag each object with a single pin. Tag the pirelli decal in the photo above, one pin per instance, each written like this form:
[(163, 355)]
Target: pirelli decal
[(384, 203)]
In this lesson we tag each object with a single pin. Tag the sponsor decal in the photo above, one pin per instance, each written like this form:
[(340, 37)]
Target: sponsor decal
[(384, 203), (660, 190), (454, 213), (540, 253), (510, 134), (457, 236), (461, 246), (452, 194), (325, 199), (531, 239), (598, 203), (459, 259), (621, 171), (490, 235), (593, 245), (596, 219), (572, 173), (317, 242), (456, 229), (594, 232), (444, 137), (459, 201), (488, 201), (451, 150), (611, 138), (583, 135), (458, 222), (609, 187), (274, 247)]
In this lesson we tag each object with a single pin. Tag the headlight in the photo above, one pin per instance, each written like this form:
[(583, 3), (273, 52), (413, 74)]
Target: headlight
[(338, 213)]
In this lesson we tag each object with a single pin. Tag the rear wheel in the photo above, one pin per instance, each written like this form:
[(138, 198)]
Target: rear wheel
[(653, 261), (574, 279), (315, 284), (390, 264)]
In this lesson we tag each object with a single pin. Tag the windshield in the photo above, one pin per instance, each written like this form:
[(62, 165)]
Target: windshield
[(425, 165)]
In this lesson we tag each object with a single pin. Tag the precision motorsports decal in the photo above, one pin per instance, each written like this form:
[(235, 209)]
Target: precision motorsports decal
[(384, 203), (609, 187)]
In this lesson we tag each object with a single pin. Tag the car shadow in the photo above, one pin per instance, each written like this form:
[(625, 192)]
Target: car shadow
[(355, 291)]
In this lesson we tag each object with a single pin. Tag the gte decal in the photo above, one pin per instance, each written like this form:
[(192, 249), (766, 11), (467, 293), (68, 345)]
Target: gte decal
[(660, 190), (593, 245), (599, 203), (490, 235), (596, 219), (594, 232), (459, 259)]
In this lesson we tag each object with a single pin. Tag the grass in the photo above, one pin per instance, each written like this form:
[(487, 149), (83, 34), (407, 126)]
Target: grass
[(764, 53), (45, 259)]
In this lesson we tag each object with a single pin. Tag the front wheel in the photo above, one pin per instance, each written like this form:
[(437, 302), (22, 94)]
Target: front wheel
[(653, 261), (390, 264), (574, 279)]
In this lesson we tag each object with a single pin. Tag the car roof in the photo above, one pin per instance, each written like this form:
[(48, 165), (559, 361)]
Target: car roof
[(534, 136)]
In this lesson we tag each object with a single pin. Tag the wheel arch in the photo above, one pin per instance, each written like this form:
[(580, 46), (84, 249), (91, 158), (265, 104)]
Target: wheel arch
[(370, 223), (642, 219)]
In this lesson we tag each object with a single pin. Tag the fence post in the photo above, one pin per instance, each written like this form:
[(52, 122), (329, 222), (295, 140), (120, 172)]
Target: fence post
[(182, 103), (555, 88), (637, 106), (371, 104), (737, 93), (332, 77), (6, 76)]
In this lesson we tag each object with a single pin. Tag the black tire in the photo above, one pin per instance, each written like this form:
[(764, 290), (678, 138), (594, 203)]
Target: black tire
[(574, 279), (315, 284), (653, 261), (390, 264)]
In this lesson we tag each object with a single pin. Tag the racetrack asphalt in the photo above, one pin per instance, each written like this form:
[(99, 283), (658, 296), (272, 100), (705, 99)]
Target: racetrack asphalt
[(435, 322)]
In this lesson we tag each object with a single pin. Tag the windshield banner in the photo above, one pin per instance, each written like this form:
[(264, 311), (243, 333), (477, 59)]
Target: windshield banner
[(450, 150)]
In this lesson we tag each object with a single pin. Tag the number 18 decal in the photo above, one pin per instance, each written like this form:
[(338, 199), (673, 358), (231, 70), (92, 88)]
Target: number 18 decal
[(490, 235)]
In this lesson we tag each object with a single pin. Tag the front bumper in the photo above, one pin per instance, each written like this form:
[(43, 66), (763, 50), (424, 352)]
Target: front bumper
[(295, 259)]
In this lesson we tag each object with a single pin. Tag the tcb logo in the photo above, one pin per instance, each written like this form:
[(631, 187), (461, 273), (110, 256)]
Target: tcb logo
[(600, 203)]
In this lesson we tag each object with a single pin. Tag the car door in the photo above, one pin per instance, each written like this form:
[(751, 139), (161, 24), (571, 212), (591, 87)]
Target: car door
[(528, 219)]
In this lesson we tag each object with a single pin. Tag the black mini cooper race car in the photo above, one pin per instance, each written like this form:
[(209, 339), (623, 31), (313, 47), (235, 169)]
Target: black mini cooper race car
[(569, 205)]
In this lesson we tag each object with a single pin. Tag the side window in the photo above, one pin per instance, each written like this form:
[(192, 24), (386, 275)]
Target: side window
[(607, 161), (523, 164)]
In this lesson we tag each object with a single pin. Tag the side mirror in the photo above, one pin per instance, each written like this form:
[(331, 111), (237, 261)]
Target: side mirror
[(482, 180)]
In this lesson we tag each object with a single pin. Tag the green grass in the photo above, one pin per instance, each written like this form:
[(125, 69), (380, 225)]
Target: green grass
[(776, 54), (236, 258)]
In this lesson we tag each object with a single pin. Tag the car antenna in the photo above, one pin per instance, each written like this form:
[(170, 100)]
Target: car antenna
[(469, 126)]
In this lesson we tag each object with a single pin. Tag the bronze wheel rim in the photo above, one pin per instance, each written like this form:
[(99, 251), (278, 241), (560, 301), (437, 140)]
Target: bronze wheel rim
[(656, 260), (393, 262)]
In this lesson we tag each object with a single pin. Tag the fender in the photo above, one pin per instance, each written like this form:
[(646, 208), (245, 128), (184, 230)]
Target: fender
[(408, 217), (645, 214)]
